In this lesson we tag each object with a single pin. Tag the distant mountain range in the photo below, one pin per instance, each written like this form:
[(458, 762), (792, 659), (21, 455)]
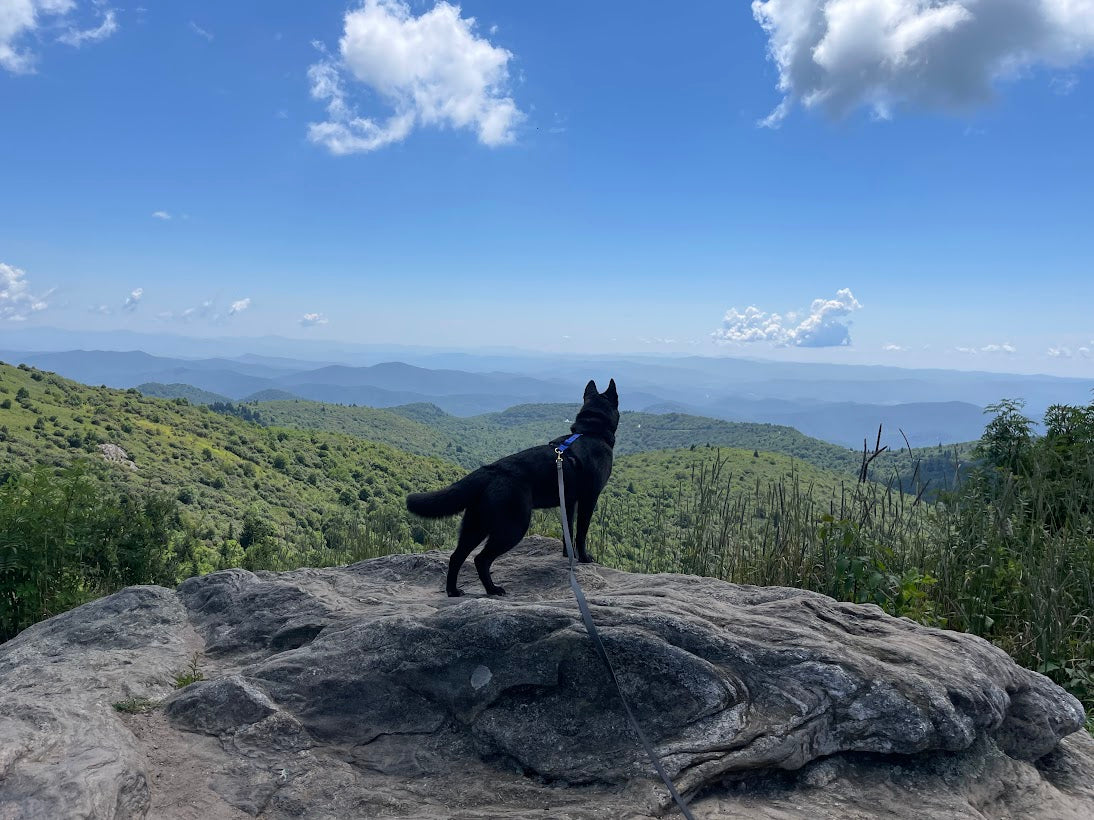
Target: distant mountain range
[(843, 404)]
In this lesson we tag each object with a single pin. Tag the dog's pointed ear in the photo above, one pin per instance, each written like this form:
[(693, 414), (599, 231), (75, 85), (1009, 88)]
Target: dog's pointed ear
[(611, 393), (590, 390)]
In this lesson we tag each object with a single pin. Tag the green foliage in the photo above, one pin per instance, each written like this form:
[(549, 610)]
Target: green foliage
[(469, 442), (218, 467), (192, 674), (65, 539), (1008, 436), (192, 394), (137, 706)]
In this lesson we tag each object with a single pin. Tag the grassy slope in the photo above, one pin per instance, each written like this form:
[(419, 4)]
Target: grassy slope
[(194, 395), (650, 491), (222, 465)]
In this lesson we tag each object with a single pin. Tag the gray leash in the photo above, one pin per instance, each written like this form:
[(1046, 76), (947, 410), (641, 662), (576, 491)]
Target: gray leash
[(590, 627)]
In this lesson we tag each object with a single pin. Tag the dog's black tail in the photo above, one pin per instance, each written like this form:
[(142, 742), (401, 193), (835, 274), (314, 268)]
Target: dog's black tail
[(451, 499)]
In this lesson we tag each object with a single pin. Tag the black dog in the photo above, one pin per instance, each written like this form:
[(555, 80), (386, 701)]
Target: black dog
[(499, 497)]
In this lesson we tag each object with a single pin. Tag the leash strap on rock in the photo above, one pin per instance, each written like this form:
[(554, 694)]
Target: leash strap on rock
[(590, 628)]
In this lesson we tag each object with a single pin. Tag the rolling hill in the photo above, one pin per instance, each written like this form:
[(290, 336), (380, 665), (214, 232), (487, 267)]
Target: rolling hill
[(221, 469), (840, 404)]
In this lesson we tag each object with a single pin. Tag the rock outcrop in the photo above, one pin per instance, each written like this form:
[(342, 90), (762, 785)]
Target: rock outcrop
[(365, 692)]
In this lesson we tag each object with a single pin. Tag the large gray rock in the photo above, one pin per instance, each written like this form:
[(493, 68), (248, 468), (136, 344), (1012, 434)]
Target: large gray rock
[(365, 692)]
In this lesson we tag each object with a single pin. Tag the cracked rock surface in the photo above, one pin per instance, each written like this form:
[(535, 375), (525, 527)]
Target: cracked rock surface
[(364, 691)]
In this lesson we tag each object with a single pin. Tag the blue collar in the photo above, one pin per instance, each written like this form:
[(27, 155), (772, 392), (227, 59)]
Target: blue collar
[(564, 446)]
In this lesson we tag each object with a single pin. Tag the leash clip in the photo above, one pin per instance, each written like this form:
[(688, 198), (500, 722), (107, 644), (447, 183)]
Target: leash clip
[(558, 455)]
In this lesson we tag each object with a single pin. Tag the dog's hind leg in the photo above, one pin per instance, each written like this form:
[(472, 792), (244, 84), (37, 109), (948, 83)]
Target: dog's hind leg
[(504, 535), (472, 531)]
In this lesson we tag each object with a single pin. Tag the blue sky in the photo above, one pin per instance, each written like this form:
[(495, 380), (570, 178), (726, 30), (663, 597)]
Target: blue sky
[(892, 181)]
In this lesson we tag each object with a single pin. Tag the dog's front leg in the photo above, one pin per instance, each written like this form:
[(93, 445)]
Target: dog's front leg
[(584, 518)]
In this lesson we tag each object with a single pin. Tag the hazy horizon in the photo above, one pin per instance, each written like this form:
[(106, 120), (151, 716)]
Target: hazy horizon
[(327, 351)]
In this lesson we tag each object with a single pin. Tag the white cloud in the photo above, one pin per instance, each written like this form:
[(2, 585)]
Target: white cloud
[(161, 215), (102, 310), (840, 55), (20, 19), (198, 30), (823, 327), (16, 300), (431, 70), (312, 319), (1065, 352), (894, 348), (1005, 348), (133, 300), (205, 310), (77, 37)]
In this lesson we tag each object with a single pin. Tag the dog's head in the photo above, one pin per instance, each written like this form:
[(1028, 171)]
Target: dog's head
[(600, 412)]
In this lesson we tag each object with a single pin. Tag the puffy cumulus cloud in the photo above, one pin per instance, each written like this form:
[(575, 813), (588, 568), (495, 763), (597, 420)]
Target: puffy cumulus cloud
[(824, 326), (313, 319), (21, 19), (239, 306), (431, 70), (133, 300), (839, 55), (16, 300)]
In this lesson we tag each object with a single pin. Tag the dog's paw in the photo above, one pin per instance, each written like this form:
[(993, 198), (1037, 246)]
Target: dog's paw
[(455, 593), (586, 559), (496, 590)]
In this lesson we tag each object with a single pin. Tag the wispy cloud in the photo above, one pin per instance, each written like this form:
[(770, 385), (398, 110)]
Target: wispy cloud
[(161, 215), (1064, 84), (895, 348), (20, 19), (431, 70), (239, 306), (841, 55), (312, 319), (133, 300), (77, 37), (1005, 348), (825, 324), (198, 30), (17, 303), (1064, 352)]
